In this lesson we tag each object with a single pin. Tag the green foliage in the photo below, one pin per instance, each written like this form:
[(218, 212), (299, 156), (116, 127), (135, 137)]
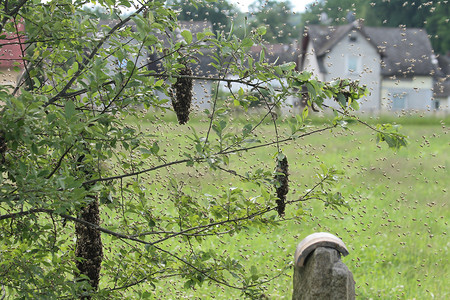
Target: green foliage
[(66, 140), (280, 23), (389, 133), (437, 24), (219, 13)]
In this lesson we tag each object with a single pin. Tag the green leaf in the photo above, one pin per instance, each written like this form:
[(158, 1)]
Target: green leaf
[(288, 66), (341, 99), (73, 70), (69, 109), (281, 156), (155, 148), (305, 113), (187, 35), (303, 76), (51, 117), (261, 30), (200, 36), (311, 89), (262, 55), (34, 149), (355, 105), (75, 67), (247, 42)]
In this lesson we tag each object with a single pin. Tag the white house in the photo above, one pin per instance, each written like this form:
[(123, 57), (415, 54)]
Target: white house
[(396, 64)]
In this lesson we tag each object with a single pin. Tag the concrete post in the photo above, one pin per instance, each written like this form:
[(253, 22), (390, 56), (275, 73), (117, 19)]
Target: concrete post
[(319, 272)]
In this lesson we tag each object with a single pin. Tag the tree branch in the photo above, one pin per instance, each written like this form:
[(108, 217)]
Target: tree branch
[(58, 164), (12, 13), (205, 78), (153, 244), (203, 159), (123, 236), (93, 53)]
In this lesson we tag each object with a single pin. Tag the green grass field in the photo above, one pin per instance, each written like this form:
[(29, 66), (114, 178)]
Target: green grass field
[(397, 227)]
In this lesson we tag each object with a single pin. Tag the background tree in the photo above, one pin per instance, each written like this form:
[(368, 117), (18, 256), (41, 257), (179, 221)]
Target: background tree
[(437, 25), (334, 12), (94, 205), (219, 13), (281, 23), (395, 13)]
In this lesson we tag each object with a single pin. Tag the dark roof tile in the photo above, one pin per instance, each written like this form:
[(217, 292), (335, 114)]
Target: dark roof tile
[(404, 51)]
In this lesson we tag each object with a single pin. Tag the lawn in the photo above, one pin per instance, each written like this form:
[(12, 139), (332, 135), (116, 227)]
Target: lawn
[(396, 229)]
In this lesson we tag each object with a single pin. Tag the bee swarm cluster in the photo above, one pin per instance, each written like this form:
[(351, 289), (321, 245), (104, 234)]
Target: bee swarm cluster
[(181, 103), (283, 185)]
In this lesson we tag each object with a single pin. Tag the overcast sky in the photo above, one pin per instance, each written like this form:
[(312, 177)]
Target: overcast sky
[(298, 5)]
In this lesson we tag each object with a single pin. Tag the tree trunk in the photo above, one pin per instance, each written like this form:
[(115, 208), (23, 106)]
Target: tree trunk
[(89, 245)]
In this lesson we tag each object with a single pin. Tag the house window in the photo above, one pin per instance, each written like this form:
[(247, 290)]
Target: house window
[(437, 104), (399, 101), (352, 64), (353, 38)]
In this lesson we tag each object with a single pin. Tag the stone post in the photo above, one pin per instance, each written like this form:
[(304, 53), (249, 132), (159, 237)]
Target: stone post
[(319, 272)]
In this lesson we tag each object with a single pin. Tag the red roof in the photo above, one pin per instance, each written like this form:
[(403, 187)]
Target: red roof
[(10, 50)]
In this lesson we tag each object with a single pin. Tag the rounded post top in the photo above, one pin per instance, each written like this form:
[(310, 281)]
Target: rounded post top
[(315, 240)]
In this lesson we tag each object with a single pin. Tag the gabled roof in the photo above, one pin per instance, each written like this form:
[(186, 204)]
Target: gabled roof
[(326, 37), (441, 87), (444, 65), (403, 51)]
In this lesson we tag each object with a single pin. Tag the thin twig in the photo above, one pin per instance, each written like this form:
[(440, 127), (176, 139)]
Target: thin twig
[(58, 164), (93, 53), (203, 159)]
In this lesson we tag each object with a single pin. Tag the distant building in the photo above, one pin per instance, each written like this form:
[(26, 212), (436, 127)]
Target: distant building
[(441, 91), (274, 54), (11, 62), (153, 61), (201, 66), (397, 64)]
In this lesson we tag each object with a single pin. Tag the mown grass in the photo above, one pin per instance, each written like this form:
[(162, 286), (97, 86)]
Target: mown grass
[(397, 227)]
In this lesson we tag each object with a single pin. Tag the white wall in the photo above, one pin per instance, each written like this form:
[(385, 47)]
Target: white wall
[(414, 93), (367, 72), (310, 62)]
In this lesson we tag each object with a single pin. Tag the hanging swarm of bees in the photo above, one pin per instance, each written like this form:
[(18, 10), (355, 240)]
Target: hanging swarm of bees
[(2, 148), (89, 245), (182, 100), (282, 184)]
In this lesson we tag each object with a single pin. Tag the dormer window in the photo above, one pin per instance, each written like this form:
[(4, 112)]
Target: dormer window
[(353, 38)]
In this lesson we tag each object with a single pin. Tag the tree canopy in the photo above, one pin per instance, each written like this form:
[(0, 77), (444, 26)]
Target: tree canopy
[(93, 204), (281, 23), (220, 13)]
